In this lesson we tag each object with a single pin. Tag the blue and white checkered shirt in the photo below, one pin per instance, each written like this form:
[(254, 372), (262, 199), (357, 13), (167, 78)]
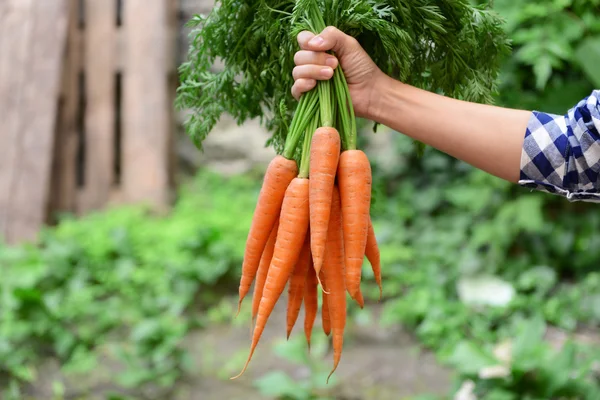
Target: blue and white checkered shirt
[(561, 153)]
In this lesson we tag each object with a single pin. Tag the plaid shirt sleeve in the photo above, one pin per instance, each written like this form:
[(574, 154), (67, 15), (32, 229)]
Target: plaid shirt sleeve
[(561, 153)]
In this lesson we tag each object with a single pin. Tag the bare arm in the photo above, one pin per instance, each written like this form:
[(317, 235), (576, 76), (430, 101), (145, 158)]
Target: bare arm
[(487, 137), (558, 154)]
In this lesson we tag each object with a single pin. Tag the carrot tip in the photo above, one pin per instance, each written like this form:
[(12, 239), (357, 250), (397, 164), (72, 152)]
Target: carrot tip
[(245, 366), (322, 288), (239, 308), (331, 373)]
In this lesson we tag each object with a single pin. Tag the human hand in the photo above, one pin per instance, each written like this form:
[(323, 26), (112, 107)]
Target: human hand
[(313, 64)]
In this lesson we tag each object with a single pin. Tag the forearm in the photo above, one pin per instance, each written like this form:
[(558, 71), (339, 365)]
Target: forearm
[(487, 137)]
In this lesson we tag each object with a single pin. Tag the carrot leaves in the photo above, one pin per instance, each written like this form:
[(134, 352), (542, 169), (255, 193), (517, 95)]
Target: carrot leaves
[(447, 46)]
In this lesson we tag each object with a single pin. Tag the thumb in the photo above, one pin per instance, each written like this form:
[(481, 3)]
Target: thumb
[(332, 38)]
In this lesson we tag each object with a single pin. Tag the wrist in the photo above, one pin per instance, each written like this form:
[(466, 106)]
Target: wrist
[(384, 94)]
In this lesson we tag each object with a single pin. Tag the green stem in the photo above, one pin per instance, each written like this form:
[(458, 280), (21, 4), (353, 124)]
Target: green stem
[(340, 87), (345, 126), (347, 110), (302, 117), (317, 24), (305, 160), (325, 103)]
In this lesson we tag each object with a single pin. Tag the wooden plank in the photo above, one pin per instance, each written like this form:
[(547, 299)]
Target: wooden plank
[(146, 123), (64, 169), (15, 29), (99, 61), (31, 57)]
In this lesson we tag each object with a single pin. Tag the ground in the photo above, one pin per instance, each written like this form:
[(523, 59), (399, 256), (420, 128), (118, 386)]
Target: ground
[(377, 363)]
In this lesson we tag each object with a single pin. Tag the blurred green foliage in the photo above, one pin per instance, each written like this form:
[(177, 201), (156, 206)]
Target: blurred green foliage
[(556, 52), (122, 282), (440, 223), (130, 285)]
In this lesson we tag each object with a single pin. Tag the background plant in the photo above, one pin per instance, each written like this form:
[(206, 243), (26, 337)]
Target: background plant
[(133, 286)]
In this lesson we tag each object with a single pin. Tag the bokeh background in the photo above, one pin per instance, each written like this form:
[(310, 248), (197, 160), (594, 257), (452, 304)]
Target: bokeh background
[(126, 289)]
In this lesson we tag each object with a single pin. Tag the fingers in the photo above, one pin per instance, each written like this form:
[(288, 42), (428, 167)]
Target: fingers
[(305, 57), (330, 38), (302, 85), (312, 61), (317, 72)]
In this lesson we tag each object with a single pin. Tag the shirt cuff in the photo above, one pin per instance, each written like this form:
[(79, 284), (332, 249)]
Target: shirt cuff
[(561, 153)]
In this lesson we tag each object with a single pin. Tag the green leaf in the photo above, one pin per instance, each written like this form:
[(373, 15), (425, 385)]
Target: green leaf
[(501, 394), (468, 358), (542, 69), (278, 384), (528, 345), (541, 278), (588, 57), (562, 361), (293, 350)]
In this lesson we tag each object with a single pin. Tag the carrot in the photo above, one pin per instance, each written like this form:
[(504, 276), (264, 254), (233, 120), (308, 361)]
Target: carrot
[(325, 320), (360, 300), (372, 253), (354, 177), (310, 303), (333, 276), (324, 156), (261, 274), (325, 317), (296, 286), (293, 227), (278, 176)]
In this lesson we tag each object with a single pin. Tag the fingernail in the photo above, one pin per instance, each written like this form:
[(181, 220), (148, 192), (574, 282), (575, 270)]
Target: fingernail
[(327, 72), (331, 61), (316, 41)]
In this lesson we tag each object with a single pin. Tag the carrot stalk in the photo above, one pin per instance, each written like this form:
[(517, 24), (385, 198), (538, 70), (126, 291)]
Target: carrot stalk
[(278, 176), (293, 227)]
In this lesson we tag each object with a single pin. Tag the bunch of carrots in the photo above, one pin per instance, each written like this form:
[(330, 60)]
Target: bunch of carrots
[(311, 227)]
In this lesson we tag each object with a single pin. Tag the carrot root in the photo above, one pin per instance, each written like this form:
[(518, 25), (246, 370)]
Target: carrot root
[(324, 156), (372, 253), (354, 177), (293, 226), (278, 176)]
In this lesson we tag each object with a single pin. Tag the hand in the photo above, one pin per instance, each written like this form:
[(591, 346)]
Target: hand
[(313, 63)]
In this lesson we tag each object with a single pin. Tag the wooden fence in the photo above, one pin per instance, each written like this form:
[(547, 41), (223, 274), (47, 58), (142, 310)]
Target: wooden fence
[(86, 115)]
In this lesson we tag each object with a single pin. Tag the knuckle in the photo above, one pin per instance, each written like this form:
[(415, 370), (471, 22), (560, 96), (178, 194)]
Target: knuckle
[(331, 30)]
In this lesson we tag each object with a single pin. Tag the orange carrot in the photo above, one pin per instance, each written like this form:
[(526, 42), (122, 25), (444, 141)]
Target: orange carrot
[(293, 227), (325, 317), (296, 286), (263, 268), (278, 176), (310, 303), (354, 177), (360, 300), (372, 253), (324, 156), (333, 276)]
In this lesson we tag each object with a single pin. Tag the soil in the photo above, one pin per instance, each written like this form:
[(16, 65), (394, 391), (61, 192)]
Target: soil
[(377, 363)]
